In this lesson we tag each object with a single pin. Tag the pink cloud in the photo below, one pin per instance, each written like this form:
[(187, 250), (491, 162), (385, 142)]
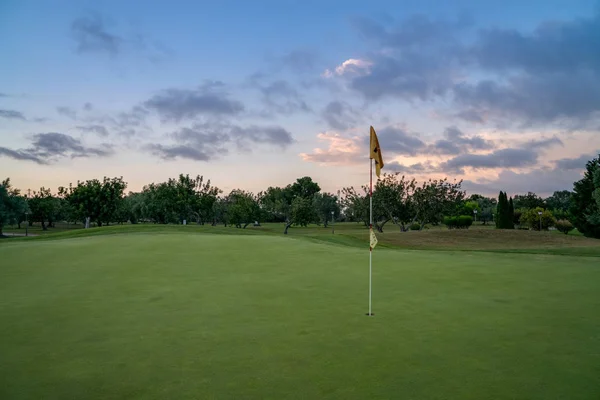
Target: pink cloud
[(340, 151)]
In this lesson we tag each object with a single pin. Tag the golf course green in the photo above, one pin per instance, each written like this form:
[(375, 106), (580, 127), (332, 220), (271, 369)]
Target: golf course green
[(200, 316)]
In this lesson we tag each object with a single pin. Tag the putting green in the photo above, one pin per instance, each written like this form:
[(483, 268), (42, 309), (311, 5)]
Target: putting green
[(221, 316)]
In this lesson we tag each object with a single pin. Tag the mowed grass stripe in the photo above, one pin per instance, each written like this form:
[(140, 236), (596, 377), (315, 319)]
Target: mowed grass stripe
[(224, 316)]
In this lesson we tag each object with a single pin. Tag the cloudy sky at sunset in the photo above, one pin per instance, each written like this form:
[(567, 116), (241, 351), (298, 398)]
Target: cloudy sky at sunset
[(251, 94)]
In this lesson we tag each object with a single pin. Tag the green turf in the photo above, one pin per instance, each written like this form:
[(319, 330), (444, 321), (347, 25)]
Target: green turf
[(180, 316)]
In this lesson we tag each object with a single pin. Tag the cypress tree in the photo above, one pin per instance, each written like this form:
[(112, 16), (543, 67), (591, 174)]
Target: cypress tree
[(501, 211), (511, 215)]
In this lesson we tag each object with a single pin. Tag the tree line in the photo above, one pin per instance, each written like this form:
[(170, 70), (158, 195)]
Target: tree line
[(401, 201)]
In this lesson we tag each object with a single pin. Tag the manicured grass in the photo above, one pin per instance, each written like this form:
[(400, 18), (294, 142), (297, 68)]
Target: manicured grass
[(187, 316)]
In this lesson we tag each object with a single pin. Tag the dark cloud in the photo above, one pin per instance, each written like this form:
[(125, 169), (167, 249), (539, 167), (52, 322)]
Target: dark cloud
[(41, 120), (180, 104), (339, 115), (49, 147), (548, 76), (67, 112), (471, 115), (203, 142), (542, 143), (21, 155), (542, 181), (418, 168), (504, 158), (534, 99), (91, 35), (456, 142), (97, 129), (4, 95), (12, 114), (279, 96), (88, 106), (577, 163), (398, 141), (552, 47)]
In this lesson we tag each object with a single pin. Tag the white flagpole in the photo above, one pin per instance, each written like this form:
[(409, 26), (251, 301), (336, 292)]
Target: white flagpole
[(370, 228)]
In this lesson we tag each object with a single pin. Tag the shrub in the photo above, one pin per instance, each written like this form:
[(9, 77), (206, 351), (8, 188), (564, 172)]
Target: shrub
[(460, 222), (564, 226), (531, 219), (464, 221), (415, 227), (451, 222)]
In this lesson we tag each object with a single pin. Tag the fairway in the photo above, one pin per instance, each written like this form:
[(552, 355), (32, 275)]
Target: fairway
[(198, 316)]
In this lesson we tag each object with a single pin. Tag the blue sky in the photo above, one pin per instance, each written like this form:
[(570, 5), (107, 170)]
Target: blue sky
[(504, 95)]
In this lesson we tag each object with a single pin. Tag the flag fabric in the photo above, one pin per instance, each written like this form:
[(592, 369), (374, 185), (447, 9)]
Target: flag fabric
[(375, 152), (373, 239)]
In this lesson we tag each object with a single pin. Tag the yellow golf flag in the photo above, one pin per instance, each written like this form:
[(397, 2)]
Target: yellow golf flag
[(375, 152), (373, 239)]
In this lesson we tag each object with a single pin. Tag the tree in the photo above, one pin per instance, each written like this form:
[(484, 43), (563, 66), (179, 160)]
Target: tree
[(511, 215), (355, 205), (242, 208), (487, 206), (44, 207), (564, 226), (325, 204), (435, 199), (529, 200), (393, 201), (503, 217), (12, 205), (98, 200), (559, 203), (531, 218), (303, 212), (584, 210)]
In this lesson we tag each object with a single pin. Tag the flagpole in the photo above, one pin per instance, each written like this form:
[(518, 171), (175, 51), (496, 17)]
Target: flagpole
[(370, 229)]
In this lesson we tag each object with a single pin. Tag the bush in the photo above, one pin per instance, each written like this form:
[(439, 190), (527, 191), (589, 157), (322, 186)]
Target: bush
[(460, 222), (531, 219), (415, 227), (564, 226), (451, 222), (464, 221)]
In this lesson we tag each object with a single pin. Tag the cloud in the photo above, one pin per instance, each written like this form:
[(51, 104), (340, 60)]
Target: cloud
[(536, 144), (352, 66), (418, 168), (4, 95), (339, 115), (67, 112), (20, 155), (340, 150), (280, 97), (398, 141), (577, 163), (49, 147), (546, 76), (12, 114), (541, 181), (503, 158), (456, 142), (88, 106), (204, 142), (91, 36), (98, 129), (176, 105)]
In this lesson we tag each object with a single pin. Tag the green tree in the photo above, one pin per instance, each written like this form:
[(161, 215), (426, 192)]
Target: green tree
[(97, 200), (529, 200), (559, 203), (503, 217), (584, 210), (393, 201), (302, 212), (325, 204), (436, 198), (243, 208), (12, 205), (44, 207), (510, 219), (532, 218)]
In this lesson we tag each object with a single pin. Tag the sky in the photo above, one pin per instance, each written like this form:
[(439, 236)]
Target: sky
[(501, 95)]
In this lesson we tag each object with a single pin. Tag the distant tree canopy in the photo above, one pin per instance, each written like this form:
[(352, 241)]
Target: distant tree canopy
[(401, 201)]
